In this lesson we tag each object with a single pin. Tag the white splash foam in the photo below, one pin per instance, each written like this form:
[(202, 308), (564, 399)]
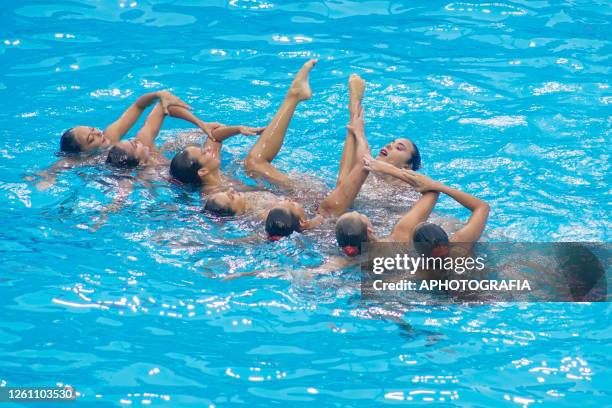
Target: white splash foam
[(496, 121)]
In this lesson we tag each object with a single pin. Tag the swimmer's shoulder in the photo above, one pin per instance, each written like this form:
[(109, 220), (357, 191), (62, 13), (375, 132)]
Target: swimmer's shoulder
[(261, 199)]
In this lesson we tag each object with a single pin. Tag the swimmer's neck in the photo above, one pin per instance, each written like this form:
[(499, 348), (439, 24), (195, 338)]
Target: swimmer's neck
[(252, 203), (155, 160), (213, 182)]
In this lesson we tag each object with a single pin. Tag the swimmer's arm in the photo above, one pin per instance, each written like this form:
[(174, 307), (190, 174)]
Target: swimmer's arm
[(473, 229), (257, 237), (116, 130), (213, 144), (381, 167), (149, 131), (181, 112), (312, 223), (223, 132), (125, 189), (48, 177), (333, 265), (419, 213)]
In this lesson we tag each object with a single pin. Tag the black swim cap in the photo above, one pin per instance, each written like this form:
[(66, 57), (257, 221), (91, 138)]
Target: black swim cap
[(428, 237), (69, 142), (351, 232), (281, 223), (184, 168), (120, 158), (415, 158), (213, 207)]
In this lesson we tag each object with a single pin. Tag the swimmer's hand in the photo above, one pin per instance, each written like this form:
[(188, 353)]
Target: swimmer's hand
[(99, 221), (420, 182), (377, 166), (250, 131), (43, 185), (210, 127), (357, 125), (167, 100)]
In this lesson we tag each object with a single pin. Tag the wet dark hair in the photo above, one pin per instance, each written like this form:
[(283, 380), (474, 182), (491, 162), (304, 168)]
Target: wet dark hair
[(213, 207), (185, 169), (120, 158), (415, 159), (281, 223), (351, 232), (69, 143), (427, 237), (583, 270)]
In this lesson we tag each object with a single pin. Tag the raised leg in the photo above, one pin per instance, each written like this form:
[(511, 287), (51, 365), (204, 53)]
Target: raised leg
[(341, 198), (356, 90), (258, 161)]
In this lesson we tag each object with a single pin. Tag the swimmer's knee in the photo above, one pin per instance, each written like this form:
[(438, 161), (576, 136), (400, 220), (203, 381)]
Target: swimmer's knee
[(327, 208), (252, 163)]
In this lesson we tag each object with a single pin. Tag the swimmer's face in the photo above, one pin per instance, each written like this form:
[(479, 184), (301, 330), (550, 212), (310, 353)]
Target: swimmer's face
[(90, 138), (231, 199), (292, 207), (205, 156), (398, 153), (136, 149)]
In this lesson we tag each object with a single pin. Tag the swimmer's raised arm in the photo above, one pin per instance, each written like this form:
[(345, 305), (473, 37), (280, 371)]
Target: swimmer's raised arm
[(173, 106), (420, 211), (149, 131), (116, 130), (223, 132), (141, 150), (181, 112), (473, 229), (213, 144)]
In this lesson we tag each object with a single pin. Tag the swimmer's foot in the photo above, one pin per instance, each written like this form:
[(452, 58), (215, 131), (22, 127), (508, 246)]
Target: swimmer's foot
[(300, 88), (356, 91)]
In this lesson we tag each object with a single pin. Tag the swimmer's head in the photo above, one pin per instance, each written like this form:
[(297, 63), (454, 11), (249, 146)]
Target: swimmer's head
[(226, 204), (402, 153), (193, 164), (128, 154), (352, 232), (284, 219), (431, 240), (82, 139)]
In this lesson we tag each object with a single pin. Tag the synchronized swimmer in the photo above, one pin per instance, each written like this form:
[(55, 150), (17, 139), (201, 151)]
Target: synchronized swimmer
[(199, 166)]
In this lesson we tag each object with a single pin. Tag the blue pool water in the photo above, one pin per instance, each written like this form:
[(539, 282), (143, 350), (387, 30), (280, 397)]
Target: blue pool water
[(509, 100)]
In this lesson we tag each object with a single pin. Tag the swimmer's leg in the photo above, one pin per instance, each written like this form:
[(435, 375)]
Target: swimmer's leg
[(342, 197), (356, 90), (258, 161)]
